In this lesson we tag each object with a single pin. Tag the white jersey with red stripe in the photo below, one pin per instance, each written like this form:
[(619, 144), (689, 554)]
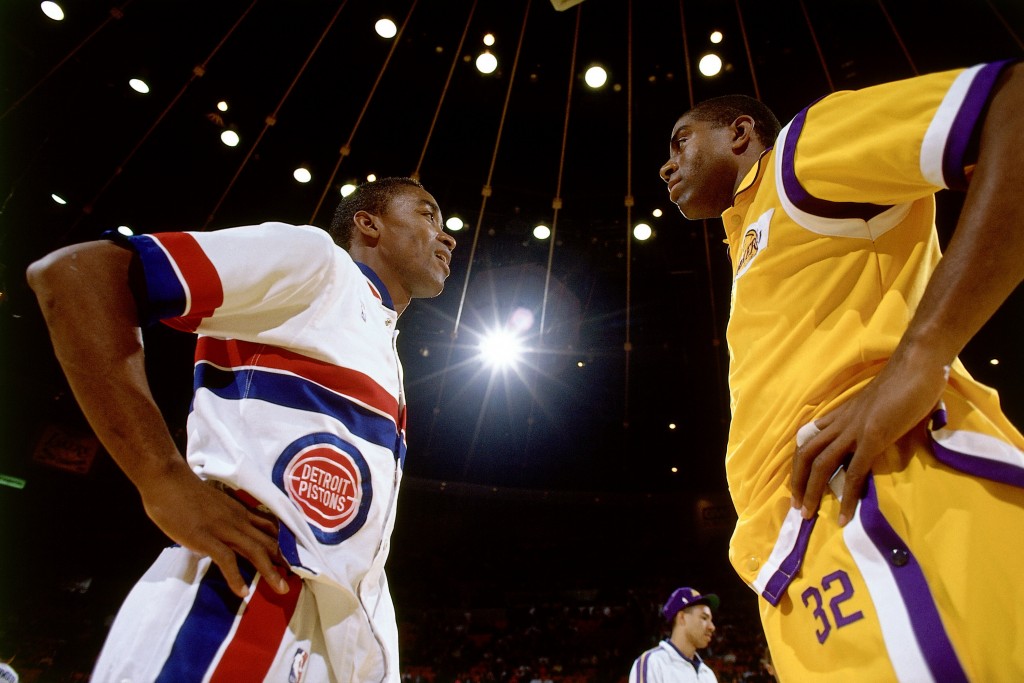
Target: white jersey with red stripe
[(298, 402)]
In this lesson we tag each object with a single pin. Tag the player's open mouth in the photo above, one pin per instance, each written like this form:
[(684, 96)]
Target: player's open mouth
[(445, 258)]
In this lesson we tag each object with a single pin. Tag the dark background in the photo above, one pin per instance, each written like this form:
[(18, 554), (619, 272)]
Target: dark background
[(553, 477)]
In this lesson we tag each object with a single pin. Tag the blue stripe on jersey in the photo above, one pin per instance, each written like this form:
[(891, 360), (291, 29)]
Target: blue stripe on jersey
[(378, 283), (165, 295), (205, 628), (301, 394), (924, 616)]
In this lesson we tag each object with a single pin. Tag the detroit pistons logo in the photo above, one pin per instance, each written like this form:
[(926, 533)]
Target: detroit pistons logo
[(329, 481)]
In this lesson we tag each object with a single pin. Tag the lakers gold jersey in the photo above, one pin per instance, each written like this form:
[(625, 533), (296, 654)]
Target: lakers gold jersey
[(832, 239)]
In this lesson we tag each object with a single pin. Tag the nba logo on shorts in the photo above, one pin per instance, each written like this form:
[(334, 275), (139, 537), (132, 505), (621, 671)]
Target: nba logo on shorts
[(298, 670), (329, 481)]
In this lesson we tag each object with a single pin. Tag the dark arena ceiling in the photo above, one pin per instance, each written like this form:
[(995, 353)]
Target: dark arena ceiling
[(623, 392)]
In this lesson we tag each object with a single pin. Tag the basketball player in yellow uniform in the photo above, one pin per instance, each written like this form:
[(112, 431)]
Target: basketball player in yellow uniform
[(879, 488)]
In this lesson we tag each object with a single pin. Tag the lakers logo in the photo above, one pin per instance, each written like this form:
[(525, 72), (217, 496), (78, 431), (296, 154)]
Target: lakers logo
[(329, 481), (749, 250), (755, 240)]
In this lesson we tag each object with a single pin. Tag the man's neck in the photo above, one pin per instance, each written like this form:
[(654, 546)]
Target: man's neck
[(683, 645), (751, 156)]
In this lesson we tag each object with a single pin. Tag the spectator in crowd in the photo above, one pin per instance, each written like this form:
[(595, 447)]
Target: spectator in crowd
[(675, 659)]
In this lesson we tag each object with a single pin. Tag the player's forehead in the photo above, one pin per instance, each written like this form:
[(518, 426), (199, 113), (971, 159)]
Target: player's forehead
[(686, 121), (413, 198), (686, 124)]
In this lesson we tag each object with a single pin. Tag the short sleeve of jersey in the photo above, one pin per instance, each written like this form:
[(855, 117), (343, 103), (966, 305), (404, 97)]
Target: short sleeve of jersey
[(887, 144), (242, 279)]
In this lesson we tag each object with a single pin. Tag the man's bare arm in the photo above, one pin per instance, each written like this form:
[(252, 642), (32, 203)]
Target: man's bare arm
[(88, 306)]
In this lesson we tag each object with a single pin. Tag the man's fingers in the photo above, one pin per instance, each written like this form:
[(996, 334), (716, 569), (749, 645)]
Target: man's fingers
[(853, 487), (811, 440), (803, 462), (267, 526), (262, 557), (226, 560), (823, 422), (818, 475)]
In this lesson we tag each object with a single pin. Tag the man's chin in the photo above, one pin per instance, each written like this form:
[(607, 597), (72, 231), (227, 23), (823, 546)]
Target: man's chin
[(695, 213)]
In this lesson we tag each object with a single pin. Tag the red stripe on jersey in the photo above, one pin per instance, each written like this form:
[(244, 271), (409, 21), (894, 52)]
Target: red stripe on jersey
[(205, 291), (263, 624), (233, 353)]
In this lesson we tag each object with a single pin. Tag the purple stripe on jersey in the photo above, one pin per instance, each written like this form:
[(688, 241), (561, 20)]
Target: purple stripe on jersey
[(165, 295), (301, 394), (924, 617), (205, 628), (968, 463), (966, 124), (783, 576), (802, 198), (985, 468)]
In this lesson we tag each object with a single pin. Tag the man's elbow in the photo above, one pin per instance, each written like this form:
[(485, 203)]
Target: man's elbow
[(43, 275), (79, 272)]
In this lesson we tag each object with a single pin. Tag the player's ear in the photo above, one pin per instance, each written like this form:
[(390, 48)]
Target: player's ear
[(742, 132), (368, 226)]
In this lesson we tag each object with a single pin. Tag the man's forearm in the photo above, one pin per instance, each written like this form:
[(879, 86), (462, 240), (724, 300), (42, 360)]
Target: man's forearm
[(86, 301), (981, 266)]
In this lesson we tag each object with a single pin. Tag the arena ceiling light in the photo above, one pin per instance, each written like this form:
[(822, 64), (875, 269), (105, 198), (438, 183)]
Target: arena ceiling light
[(595, 77), (52, 10), (385, 28), (710, 64), (486, 63)]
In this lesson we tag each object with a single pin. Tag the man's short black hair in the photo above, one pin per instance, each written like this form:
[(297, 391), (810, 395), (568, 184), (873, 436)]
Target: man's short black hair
[(373, 198), (726, 109)]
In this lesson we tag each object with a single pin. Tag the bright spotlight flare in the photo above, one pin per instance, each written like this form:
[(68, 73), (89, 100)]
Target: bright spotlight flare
[(501, 348), (504, 348)]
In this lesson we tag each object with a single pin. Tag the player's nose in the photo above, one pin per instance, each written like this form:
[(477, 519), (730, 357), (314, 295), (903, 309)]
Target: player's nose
[(667, 169), (447, 240)]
